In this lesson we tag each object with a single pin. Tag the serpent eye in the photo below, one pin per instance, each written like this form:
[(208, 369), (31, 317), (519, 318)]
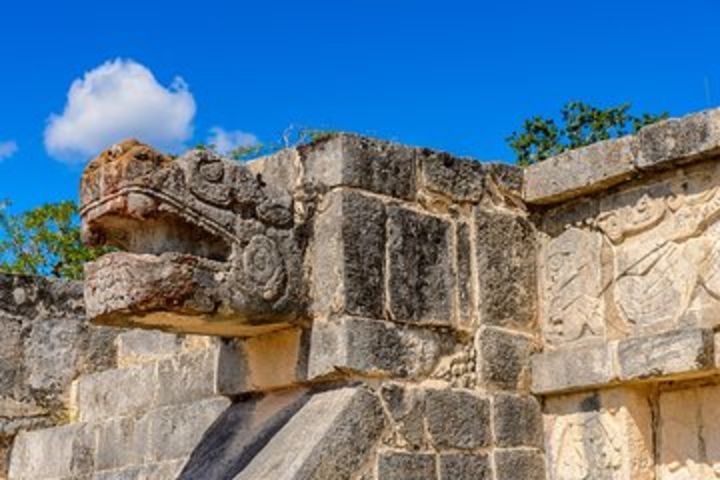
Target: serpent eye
[(212, 171)]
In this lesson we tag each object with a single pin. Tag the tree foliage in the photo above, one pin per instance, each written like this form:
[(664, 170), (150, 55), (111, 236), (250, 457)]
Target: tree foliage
[(580, 124), (44, 241)]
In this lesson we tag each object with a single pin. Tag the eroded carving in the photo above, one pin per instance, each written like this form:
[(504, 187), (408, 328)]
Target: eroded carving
[(205, 241), (588, 447)]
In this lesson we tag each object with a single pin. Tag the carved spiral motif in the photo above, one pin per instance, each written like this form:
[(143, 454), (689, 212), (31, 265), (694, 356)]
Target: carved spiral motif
[(264, 267), (207, 179)]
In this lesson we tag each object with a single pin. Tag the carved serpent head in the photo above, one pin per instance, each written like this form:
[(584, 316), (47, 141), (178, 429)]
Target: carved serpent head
[(206, 244)]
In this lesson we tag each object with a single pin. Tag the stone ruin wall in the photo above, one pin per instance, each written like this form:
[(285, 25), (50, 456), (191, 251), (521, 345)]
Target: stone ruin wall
[(464, 321)]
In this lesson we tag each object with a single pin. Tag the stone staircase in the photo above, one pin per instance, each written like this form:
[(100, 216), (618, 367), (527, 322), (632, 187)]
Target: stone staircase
[(141, 420)]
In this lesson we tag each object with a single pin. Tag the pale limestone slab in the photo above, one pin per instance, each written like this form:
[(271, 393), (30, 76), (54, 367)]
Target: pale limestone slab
[(600, 435)]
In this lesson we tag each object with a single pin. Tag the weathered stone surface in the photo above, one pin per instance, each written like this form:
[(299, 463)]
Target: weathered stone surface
[(460, 466), (687, 435), (280, 169), (175, 431), (153, 471), (573, 309), (461, 180), (675, 352), (520, 464), (328, 438), (466, 303), (179, 221), (353, 161), (420, 276), (581, 171), (506, 269), (679, 139), (58, 452), (517, 421), (122, 442), (503, 360), (239, 433), (140, 346), (264, 362), (567, 369), (457, 419), (406, 466), (406, 408), (373, 347), (348, 255), (119, 392), (604, 435)]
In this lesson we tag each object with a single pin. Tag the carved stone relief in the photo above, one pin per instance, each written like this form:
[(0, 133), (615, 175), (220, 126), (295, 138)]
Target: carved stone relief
[(662, 269)]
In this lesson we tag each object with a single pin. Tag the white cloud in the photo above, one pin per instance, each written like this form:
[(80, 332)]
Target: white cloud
[(7, 149), (226, 141), (117, 100)]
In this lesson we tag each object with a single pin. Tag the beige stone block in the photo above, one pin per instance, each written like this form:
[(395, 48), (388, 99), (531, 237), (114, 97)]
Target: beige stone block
[(599, 435), (689, 443)]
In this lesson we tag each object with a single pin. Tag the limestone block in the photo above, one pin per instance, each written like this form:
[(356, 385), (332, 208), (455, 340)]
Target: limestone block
[(517, 421), (461, 466), (676, 352), (139, 346), (420, 274), (466, 291), (571, 287), (187, 377), (348, 256), (606, 434), (280, 169), (457, 419), (689, 444), (503, 360), (679, 139), (261, 363), (57, 452), (175, 431), (581, 171), (520, 464), (406, 408), (406, 466), (460, 180), (240, 432), (374, 347), (121, 442), (506, 269), (152, 471), (374, 165), (119, 392), (328, 439), (568, 369)]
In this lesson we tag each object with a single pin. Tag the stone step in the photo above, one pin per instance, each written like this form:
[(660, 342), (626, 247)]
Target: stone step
[(142, 346), (119, 448)]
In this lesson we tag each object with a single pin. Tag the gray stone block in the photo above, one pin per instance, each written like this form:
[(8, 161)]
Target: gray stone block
[(187, 377), (122, 442), (175, 431), (373, 347), (119, 392), (568, 369), (503, 360), (406, 407), (370, 164), (139, 346), (519, 464), (679, 140), (328, 439), (348, 255), (461, 180), (57, 452), (581, 171), (466, 308), (675, 352), (506, 269), (457, 419), (406, 466), (517, 421), (420, 276), (461, 466)]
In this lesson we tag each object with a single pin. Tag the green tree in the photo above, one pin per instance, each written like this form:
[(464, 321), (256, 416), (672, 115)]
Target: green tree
[(44, 241), (580, 124)]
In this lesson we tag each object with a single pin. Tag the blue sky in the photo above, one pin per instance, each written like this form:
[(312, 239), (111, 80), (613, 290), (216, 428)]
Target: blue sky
[(457, 76)]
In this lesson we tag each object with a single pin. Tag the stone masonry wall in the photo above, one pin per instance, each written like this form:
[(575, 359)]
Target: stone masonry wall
[(45, 344), (628, 269)]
